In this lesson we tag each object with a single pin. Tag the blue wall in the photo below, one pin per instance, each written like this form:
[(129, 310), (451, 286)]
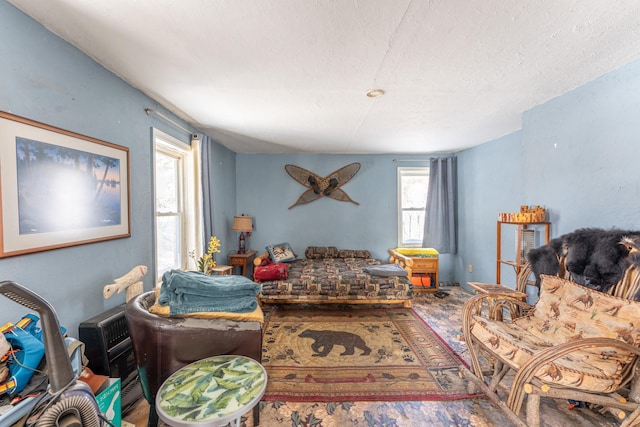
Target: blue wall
[(581, 154), (489, 181), (43, 78), (265, 191), (577, 155)]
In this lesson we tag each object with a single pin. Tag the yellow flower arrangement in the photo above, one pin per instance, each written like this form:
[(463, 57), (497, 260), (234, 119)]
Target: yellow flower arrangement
[(206, 262)]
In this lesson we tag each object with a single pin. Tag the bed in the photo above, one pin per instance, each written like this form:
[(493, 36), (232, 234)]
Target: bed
[(329, 275)]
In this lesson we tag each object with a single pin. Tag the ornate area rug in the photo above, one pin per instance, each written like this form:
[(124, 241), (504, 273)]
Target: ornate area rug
[(357, 354)]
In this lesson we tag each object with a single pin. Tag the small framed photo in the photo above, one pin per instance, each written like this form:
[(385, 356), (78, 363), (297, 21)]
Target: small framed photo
[(59, 188)]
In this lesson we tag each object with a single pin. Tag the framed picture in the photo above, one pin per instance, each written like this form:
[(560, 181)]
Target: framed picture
[(59, 188)]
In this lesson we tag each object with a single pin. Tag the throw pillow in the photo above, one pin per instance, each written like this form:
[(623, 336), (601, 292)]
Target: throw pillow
[(281, 252), (386, 270), (350, 253), (320, 252)]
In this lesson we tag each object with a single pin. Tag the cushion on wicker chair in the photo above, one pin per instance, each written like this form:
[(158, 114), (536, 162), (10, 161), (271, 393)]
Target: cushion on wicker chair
[(567, 312)]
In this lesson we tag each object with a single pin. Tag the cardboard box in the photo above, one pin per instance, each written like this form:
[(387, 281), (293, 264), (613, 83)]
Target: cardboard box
[(110, 401)]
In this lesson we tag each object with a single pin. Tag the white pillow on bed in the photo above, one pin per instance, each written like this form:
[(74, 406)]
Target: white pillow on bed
[(281, 252)]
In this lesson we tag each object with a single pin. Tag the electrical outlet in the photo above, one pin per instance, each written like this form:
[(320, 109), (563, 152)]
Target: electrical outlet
[(470, 268)]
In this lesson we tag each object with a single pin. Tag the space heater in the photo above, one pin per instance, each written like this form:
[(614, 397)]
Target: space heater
[(526, 243), (109, 351)]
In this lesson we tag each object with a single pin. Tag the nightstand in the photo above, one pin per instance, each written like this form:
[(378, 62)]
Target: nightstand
[(426, 266), (245, 261), (424, 261)]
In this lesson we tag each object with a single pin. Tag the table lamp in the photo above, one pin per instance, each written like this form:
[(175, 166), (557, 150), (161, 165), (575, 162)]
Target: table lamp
[(243, 224)]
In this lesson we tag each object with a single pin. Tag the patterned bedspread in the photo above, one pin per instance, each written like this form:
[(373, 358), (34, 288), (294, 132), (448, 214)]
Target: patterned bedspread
[(336, 278)]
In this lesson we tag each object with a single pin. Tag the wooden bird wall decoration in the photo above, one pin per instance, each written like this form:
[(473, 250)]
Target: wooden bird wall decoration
[(318, 186)]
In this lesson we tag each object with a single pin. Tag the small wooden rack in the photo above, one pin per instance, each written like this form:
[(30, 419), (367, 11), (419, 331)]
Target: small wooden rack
[(518, 262)]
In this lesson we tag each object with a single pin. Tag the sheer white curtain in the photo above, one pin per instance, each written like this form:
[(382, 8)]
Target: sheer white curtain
[(440, 221)]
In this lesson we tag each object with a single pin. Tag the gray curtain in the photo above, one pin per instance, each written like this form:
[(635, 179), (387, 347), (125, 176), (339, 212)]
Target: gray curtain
[(208, 227), (440, 223)]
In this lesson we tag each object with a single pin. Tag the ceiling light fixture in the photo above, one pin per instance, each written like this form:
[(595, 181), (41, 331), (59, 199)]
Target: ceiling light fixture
[(375, 93)]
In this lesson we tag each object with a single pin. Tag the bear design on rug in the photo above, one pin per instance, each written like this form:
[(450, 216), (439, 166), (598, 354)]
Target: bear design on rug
[(325, 340)]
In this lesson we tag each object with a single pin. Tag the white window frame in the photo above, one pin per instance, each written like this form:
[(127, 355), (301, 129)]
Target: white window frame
[(190, 202), (403, 171)]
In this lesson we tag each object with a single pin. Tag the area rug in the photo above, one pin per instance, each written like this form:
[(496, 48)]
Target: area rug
[(357, 354)]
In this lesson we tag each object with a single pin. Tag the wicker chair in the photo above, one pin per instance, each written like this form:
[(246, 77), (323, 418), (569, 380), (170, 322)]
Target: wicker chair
[(574, 343)]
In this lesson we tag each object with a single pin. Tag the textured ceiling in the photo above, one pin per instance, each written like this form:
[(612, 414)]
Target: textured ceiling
[(275, 76)]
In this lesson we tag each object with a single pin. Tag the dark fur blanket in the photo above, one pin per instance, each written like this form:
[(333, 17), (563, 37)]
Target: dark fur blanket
[(594, 257)]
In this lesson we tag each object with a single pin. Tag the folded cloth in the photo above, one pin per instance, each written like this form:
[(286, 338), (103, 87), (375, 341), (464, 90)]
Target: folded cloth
[(253, 316), (386, 270), (191, 291)]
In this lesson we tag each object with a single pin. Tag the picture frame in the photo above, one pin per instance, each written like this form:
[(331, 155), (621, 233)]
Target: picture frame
[(59, 188)]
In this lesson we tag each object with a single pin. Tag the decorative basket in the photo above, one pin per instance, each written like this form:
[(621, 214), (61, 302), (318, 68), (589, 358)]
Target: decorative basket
[(526, 214)]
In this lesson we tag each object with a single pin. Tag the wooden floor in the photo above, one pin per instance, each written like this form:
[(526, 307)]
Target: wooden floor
[(443, 315), (138, 415)]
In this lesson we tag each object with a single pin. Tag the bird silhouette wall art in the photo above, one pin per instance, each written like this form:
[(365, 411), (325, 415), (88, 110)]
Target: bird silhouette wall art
[(318, 186)]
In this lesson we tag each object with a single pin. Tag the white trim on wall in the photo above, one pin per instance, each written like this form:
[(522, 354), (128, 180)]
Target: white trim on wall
[(189, 197)]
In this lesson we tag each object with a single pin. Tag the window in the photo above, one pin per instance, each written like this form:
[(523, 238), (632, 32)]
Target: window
[(177, 213), (413, 184)]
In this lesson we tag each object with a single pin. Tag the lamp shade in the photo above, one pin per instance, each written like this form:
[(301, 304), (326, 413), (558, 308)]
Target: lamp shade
[(242, 224)]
